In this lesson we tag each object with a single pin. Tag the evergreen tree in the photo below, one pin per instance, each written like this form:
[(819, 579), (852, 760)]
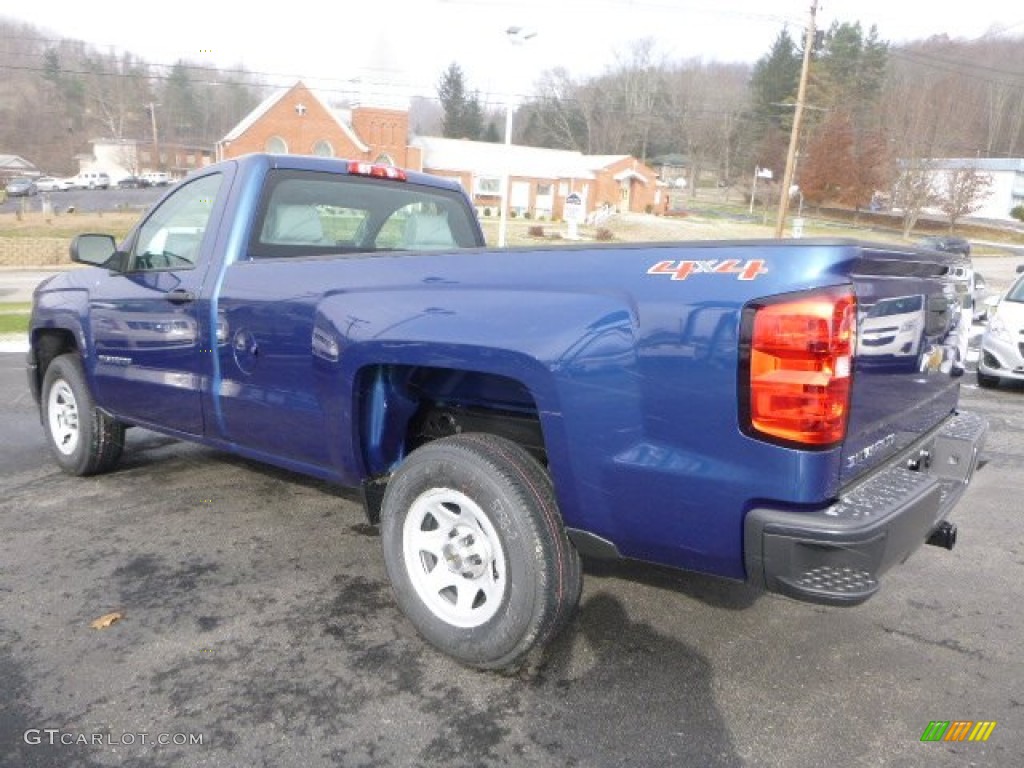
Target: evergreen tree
[(463, 115), (774, 82)]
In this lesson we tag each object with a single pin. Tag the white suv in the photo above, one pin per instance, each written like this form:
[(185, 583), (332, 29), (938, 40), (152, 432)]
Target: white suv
[(92, 180), (157, 178)]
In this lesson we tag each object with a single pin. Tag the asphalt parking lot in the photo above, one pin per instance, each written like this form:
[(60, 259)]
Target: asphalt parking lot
[(258, 629), (87, 200)]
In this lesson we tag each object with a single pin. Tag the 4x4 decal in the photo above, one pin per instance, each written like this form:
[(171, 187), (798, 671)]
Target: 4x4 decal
[(680, 270)]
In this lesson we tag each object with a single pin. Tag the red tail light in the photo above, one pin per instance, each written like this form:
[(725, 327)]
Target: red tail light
[(795, 382), (376, 171)]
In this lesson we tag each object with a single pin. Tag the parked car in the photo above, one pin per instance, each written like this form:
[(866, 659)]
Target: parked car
[(946, 243), (157, 178), (503, 416), (133, 182), (52, 184), (21, 187), (92, 180), (894, 327), (1002, 346)]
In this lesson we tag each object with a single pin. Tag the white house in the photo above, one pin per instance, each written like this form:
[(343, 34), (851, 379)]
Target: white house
[(1006, 191)]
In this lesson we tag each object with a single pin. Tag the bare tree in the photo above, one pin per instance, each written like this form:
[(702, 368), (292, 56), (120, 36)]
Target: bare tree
[(961, 192), (915, 191)]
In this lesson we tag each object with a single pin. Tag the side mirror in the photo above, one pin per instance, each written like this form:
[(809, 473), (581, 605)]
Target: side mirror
[(95, 250)]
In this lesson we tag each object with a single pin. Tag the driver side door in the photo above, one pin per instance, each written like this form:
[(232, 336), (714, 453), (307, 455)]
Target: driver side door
[(147, 323)]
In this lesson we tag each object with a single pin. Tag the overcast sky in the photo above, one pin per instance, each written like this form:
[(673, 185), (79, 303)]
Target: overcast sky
[(408, 43)]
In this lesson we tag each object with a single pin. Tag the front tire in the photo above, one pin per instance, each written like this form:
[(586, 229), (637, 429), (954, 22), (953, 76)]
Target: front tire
[(987, 382), (83, 439), (476, 551)]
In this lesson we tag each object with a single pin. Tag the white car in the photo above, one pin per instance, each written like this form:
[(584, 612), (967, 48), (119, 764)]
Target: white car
[(893, 327), (1002, 346), (52, 184)]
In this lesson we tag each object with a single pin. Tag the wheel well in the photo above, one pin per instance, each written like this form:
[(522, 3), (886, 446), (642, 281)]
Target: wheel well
[(404, 407), (48, 344)]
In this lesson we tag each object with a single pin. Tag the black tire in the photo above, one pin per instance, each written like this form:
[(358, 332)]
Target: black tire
[(483, 510), (987, 382), (83, 439)]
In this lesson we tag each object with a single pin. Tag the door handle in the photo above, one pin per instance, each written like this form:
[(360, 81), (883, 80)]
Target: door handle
[(180, 296)]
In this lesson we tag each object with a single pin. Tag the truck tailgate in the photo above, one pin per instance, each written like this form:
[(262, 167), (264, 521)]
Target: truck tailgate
[(911, 345)]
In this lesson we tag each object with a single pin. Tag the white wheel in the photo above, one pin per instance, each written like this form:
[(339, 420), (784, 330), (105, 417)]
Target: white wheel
[(84, 439), (476, 550), (62, 417), (454, 557)]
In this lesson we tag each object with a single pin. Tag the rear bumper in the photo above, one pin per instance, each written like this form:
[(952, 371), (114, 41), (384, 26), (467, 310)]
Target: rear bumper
[(836, 555)]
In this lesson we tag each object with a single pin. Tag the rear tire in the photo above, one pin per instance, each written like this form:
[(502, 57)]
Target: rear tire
[(476, 551), (83, 439)]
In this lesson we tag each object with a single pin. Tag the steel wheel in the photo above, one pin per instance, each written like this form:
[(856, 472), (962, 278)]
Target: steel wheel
[(454, 557), (83, 438), (486, 572), (63, 418)]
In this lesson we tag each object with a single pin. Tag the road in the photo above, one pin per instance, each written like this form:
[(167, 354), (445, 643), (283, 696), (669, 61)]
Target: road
[(257, 620)]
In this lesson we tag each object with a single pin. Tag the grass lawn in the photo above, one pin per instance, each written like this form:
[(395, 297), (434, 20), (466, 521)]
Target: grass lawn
[(36, 224), (14, 317)]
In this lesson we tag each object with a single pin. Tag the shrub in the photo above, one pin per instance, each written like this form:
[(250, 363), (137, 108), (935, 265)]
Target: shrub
[(536, 231), (649, 208), (1017, 212), (487, 213), (527, 215), (604, 234)]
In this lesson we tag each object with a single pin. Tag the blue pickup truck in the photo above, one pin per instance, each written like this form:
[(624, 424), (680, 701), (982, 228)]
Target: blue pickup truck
[(711, 406)]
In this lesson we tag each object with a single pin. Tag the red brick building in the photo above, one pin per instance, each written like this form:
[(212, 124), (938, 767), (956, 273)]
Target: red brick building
[(297, 121)]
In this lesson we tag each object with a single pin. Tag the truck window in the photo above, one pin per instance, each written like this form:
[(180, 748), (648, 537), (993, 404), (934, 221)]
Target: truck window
[(307, 213), (171, 236)]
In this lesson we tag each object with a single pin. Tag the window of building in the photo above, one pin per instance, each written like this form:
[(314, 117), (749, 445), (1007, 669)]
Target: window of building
[(323, 148), (488, 185), (276, 146), (543, 189)]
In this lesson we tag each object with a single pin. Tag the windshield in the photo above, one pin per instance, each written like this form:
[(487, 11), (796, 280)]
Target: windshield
[(1016, 292), (898, 306)]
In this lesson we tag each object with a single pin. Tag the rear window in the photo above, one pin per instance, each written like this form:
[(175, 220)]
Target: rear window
[(310, 213)]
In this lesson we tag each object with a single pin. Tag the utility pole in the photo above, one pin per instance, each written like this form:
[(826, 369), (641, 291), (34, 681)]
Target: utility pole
[(794, 136), (156, 142)]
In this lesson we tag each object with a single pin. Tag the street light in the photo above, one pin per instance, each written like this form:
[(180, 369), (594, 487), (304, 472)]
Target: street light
[(516, 36)]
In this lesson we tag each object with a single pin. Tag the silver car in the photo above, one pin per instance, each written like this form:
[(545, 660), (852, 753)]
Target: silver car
[(1002, 346)]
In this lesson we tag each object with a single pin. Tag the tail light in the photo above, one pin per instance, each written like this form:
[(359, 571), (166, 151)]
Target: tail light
[(796, 364)]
